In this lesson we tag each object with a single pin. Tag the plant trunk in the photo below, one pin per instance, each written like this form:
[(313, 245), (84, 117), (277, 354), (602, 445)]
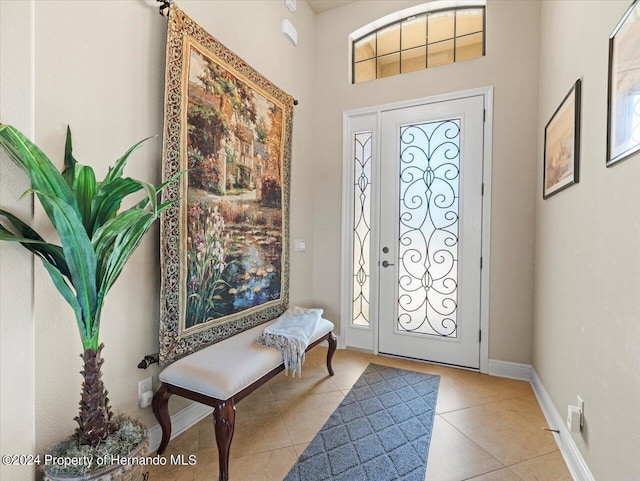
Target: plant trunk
[(95, 418)]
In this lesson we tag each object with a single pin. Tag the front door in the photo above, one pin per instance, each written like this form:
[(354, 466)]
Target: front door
[(431, 167)]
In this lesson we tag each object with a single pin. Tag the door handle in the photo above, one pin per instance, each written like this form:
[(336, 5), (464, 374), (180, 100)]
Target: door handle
[(386, 264)]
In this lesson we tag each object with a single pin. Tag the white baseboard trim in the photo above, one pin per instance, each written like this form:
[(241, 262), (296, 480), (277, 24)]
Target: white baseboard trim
[(512, 370), (180, 422), (570, 452)]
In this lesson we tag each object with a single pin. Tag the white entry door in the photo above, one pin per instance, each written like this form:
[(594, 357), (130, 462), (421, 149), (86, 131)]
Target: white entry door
[(430, 231)]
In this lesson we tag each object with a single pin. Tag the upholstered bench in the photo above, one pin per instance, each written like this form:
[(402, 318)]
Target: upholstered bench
[(221, 375)]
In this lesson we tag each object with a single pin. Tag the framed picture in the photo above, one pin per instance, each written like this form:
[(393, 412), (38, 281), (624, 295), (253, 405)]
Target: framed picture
[(623, 123), (224, 241), (562, 145)]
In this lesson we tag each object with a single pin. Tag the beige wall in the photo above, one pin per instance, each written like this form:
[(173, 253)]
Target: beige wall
[(17, 340), (99, 66), (587, 328), (511, 66)]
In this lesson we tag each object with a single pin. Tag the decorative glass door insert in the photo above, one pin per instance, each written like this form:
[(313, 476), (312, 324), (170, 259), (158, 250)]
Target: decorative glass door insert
[(428, 237), (361, 228)]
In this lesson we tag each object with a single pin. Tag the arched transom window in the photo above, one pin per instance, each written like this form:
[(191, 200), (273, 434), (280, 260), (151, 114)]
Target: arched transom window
[(419, 41)]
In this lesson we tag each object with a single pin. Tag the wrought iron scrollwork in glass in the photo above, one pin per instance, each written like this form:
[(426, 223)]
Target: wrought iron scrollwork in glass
[(428, 237), (361, 228)]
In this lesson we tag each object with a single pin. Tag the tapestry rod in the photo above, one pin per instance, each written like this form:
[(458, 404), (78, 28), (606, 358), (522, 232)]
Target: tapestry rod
[(164, 10)]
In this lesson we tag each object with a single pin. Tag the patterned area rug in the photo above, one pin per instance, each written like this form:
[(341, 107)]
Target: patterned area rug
[(380, 431)]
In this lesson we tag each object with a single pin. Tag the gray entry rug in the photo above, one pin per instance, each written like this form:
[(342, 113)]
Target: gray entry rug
[(380, 431)]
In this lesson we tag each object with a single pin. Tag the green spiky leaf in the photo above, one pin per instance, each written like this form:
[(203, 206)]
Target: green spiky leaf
[(84, 188), (32, 241), (81, 259), (69, 161)]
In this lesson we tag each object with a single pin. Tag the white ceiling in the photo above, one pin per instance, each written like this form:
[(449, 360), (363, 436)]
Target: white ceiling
[(319, 6)]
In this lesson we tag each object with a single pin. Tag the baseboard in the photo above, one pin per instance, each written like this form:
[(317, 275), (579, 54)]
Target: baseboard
[(180, 422), (512, 370), (570, 452)]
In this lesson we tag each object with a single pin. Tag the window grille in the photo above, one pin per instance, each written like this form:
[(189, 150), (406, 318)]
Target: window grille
[(420, 41)]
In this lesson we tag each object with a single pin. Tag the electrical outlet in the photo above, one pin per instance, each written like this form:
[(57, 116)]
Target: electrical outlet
[(145, 385), (581, 407)]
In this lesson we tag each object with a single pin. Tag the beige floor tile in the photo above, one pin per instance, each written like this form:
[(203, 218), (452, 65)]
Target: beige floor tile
[(305, 415), (314, 380), (461, 389), (510, 430), (206, 434), (186, 442), (269, 466), (319, 355), (173, 473), (398, 362), (549, 467), (258, 429), (347, 373), (454, 457), (261, 395), (499, 475), (207, 465), (256, 433)]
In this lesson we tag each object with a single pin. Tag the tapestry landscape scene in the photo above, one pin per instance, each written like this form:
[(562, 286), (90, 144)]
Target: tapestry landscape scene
[(234, 215)]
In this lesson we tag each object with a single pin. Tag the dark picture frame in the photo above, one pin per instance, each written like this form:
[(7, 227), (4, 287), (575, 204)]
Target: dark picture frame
[(225, 239), (623, 101), (562, 145)]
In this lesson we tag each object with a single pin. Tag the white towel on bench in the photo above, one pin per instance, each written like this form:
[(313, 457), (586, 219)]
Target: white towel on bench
[(291, 334)]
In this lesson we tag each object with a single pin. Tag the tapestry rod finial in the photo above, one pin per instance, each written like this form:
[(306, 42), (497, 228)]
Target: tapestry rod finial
[(165, 8)]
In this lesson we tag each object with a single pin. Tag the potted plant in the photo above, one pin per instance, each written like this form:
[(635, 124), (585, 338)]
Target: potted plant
[(97, 239)]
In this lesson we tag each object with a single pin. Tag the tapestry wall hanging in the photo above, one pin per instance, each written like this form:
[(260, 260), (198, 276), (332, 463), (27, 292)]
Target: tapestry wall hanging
[(224, 243)]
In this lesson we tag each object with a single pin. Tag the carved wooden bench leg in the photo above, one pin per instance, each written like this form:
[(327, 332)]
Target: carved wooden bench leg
[(160, 405), (332, 349), (224, 419)]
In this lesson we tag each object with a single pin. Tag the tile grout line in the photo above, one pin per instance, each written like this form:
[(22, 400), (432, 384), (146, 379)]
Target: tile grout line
[(485, 403), (535, 457), (492, 471), (475, 443), (489, 452)]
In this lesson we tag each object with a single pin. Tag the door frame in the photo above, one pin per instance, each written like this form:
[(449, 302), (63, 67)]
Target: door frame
[(367, 338)]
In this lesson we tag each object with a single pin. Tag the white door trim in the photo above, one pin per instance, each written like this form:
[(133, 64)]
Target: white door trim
[(347, 208)]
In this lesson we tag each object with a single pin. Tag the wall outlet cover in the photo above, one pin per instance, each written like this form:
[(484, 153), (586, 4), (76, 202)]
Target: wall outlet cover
[(145, 385)]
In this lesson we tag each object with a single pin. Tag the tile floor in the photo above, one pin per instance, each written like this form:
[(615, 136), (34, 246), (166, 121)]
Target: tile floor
[(486, 428)]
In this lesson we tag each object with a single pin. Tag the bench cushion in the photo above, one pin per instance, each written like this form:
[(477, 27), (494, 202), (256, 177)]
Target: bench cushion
[(227, 367)]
